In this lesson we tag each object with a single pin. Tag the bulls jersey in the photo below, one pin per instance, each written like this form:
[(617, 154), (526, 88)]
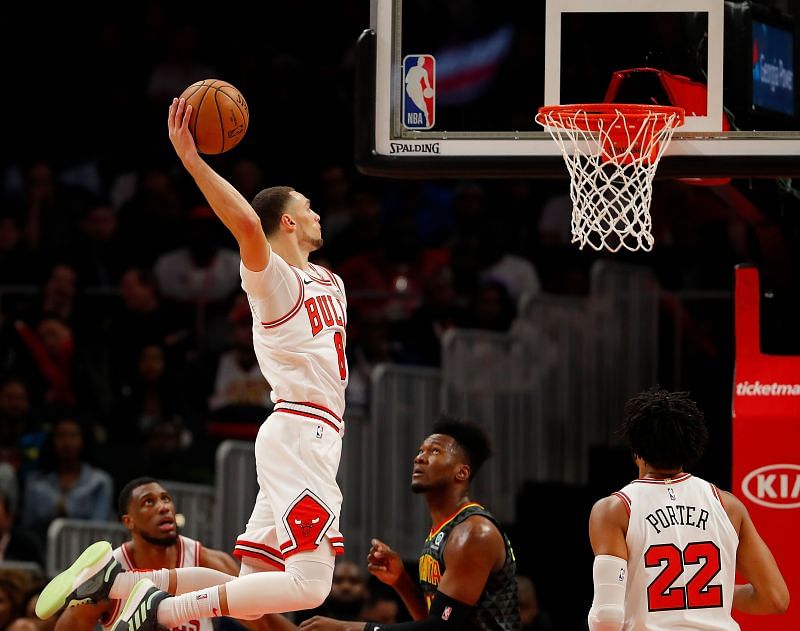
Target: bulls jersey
[(681, 556), (498, 607), (299, 319), (188, 556)]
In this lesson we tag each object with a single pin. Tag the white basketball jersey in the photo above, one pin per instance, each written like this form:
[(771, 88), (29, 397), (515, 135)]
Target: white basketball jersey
[(681, 556), (299, 319), (188, 556)]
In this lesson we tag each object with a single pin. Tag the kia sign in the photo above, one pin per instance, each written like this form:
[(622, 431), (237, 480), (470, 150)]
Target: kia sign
[(774, 486)]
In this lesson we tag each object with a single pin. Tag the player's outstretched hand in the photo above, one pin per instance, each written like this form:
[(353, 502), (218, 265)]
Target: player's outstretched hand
[(384, 563), (179, 134), (318, 623)]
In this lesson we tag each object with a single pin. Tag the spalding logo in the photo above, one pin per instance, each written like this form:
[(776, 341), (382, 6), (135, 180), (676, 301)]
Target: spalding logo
[(774, 486)]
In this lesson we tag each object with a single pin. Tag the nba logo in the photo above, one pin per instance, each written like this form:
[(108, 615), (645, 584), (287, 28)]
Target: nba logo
[(419, 91)]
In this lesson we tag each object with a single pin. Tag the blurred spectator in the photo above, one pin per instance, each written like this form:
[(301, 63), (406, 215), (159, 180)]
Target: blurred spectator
[(370, 347), (144, 319), (15, 543), (361, 233), (533, 618), (14, 584), (491, 309), (9, 487), (336, 205), (59, 293), (99, 252), (201, 277), (516, 273), (18, 265), (239, 381), (422, 333), (59, 369), (32, 622), (152, 217), (381, 607), (247, 177), (167, 453), (148, 398), (21, 437), (202, 271), (180, 68), (48, 216), (65, 484), (387, 279), (347, 597)]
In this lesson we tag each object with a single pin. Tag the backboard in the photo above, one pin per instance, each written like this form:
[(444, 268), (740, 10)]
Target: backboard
[(452, 88)]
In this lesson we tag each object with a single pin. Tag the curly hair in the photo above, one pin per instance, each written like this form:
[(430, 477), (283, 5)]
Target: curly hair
[(665, 429), (471, 437)]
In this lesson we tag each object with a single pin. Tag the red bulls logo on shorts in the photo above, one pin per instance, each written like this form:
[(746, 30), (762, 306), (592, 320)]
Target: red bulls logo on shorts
[(306, 521)]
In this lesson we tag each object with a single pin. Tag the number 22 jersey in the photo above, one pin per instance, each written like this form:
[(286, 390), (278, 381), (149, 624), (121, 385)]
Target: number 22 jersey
[(681, 556)]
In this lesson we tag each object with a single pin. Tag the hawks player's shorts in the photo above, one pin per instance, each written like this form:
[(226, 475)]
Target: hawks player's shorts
[(297, 508)]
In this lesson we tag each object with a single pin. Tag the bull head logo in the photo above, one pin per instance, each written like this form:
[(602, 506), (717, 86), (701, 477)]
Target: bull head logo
[(305, 527)]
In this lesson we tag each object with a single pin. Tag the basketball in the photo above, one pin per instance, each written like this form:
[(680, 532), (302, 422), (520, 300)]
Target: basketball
[(219, 116), (427, 93)]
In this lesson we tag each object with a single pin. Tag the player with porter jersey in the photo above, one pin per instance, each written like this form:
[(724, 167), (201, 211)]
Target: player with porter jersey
[(299, 314), (668, 545)]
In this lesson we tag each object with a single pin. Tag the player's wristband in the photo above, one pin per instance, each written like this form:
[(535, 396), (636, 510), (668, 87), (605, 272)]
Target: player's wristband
[(445, 613)]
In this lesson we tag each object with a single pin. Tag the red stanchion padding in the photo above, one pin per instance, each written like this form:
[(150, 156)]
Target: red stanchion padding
[(766, 446)]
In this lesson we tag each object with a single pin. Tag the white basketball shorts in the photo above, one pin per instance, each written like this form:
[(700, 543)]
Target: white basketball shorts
[(298, 449)]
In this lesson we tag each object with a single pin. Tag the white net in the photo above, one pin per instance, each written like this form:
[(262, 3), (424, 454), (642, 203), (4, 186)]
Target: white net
[(612, 154)]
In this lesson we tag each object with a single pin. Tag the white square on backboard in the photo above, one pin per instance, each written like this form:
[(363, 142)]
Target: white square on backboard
[(712, 121)]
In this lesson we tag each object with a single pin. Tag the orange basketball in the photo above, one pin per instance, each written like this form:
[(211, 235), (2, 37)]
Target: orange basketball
[(219, 115)]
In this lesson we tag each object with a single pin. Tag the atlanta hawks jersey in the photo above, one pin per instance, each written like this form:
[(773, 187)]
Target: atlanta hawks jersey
[(188, 556), (299, 319), (681, 556)]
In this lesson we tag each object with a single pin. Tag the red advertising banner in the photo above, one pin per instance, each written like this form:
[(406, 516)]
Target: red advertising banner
[(766, 445)]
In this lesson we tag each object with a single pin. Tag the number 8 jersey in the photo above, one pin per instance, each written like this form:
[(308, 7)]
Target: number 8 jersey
[(681, 556), (299, 319)]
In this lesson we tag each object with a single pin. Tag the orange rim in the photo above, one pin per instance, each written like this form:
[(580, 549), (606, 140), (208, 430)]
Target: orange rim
[(608, 111)]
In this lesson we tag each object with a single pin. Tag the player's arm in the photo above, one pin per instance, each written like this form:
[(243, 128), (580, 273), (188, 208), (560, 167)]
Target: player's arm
[(83, 617), (224, 562), (766, 591), (218, 560), (228, 204), (608, 523), (387, 566)]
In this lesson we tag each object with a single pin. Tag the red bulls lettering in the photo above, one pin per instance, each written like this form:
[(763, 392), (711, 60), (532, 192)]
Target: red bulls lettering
[(324, 311), (313, 316), (337, 312)]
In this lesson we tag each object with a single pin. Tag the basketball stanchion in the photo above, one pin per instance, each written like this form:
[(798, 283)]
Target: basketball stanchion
[(612, 152)]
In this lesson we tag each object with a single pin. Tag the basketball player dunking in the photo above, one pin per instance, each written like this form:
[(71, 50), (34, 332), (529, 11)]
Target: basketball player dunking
[(292, 537), (669, 544)]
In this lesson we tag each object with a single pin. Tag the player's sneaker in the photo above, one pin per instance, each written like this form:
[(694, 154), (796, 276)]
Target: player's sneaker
[(88, 579), (139, 611)]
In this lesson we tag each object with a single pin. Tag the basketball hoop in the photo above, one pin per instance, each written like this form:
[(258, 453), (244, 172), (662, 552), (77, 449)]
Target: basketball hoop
[(612, 152)]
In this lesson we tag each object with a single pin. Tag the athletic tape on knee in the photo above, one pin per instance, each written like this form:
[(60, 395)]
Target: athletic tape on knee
[(610, 576)]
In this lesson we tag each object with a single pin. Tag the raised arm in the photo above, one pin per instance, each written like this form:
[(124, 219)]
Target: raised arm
[(766, 592), (228, 204), (387, 566)]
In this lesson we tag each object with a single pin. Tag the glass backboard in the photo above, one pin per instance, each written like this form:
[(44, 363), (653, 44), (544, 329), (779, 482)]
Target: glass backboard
[(452, 87)]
